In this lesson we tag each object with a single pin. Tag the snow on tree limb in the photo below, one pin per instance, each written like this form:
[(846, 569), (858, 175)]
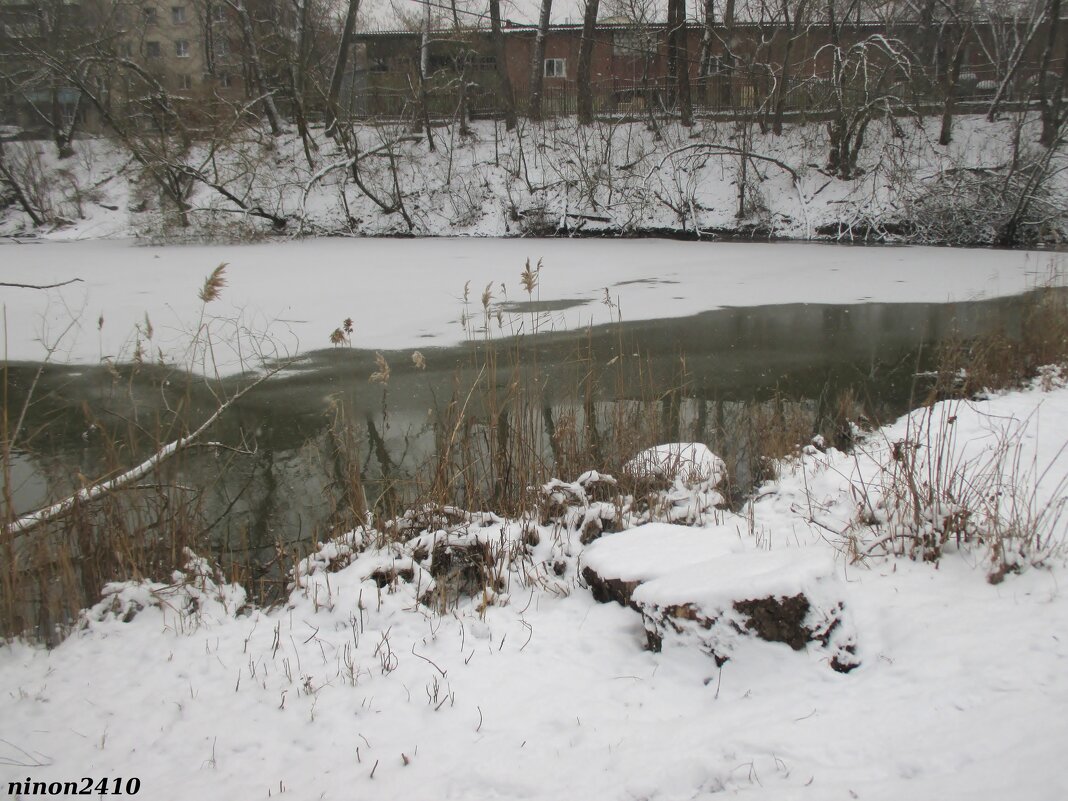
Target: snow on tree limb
[(28, 523)]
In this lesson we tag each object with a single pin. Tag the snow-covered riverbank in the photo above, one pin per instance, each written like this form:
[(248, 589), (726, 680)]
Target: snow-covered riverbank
[(532, 689), (716, 179)]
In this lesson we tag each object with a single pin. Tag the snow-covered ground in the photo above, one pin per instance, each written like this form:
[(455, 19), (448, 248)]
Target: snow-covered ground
[(611, 177), (405, 293), (533, 690)]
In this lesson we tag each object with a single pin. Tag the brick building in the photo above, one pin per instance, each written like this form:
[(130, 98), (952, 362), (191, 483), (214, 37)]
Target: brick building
[(630, 65)]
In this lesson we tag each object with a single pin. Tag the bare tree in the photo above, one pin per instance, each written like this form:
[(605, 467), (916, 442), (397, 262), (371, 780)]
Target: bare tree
[(928, 32), (151, 125), (255, 64), (678, 60), (583, 76), (340, 63), (296, 59), (9, 179), (1013, 203), (954, 31), (1022, 30), (1051, 92), (866, 81), (424, 74), (54, 27), (461, 60), (537, 62), (729, 59), (640, 45), (750, 34), (500, 54), (708, 35), (793, 31), (1025, 193)]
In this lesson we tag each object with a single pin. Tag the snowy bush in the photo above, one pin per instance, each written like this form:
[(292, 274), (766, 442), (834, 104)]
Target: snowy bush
[(195, 595), (960, 476)]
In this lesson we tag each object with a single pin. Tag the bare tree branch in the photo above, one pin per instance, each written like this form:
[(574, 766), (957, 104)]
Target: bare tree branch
[(40, 286), (28, 523)]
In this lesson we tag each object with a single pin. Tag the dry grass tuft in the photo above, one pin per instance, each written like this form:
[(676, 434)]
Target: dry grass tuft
[(529, 278), (1003, 359), (213, 284), (381, 375)]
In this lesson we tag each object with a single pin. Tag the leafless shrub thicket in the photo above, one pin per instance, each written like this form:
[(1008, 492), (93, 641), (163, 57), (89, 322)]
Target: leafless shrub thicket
[(832, 73), (932, 494), (133, 516)]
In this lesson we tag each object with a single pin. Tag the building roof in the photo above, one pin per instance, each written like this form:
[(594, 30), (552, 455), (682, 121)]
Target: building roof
[(400, 16)]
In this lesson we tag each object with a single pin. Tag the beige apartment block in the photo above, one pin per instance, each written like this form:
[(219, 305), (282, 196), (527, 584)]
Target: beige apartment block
[(192, 48), (187, 46)]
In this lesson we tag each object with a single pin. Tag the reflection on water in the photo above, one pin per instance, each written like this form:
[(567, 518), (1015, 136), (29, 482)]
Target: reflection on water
[(275, 474)]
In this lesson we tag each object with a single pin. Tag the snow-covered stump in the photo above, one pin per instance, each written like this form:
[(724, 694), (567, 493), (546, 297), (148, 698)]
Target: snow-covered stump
[(704, 587), (462, 567), (429, 517), (793, 620), (591, 504), (683, 479), (678, 482), (197, 594)]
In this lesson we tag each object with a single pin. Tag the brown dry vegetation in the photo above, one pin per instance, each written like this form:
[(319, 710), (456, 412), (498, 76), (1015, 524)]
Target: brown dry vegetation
[(502, 432)]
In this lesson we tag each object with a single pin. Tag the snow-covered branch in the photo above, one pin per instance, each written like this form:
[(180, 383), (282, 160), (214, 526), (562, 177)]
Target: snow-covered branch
[(28, 523)]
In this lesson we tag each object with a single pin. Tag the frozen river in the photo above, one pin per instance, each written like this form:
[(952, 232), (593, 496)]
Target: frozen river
[(288, 297), (818, 328)]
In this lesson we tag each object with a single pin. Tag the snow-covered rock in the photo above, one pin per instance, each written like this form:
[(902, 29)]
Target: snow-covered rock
[(707, 587)]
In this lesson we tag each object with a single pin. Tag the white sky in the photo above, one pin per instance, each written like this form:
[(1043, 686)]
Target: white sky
[(384, 14)]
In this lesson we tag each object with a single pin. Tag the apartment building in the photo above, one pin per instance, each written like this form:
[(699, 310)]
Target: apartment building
[(189, 47)]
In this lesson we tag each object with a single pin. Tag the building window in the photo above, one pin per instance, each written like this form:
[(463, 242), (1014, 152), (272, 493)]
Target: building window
[(148, 14), (178, 14), (439, 62), (152, 49), (185, 81), (218, 13), (556, 68), (181, 48), (225, 80), (222, 47), (633, 44), (718, 65), (379, 65)]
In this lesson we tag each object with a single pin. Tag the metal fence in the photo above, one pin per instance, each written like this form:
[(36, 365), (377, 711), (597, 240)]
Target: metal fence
[(714, 95)]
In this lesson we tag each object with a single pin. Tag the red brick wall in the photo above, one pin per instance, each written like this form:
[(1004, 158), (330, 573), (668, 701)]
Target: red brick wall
[(610, 69)]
